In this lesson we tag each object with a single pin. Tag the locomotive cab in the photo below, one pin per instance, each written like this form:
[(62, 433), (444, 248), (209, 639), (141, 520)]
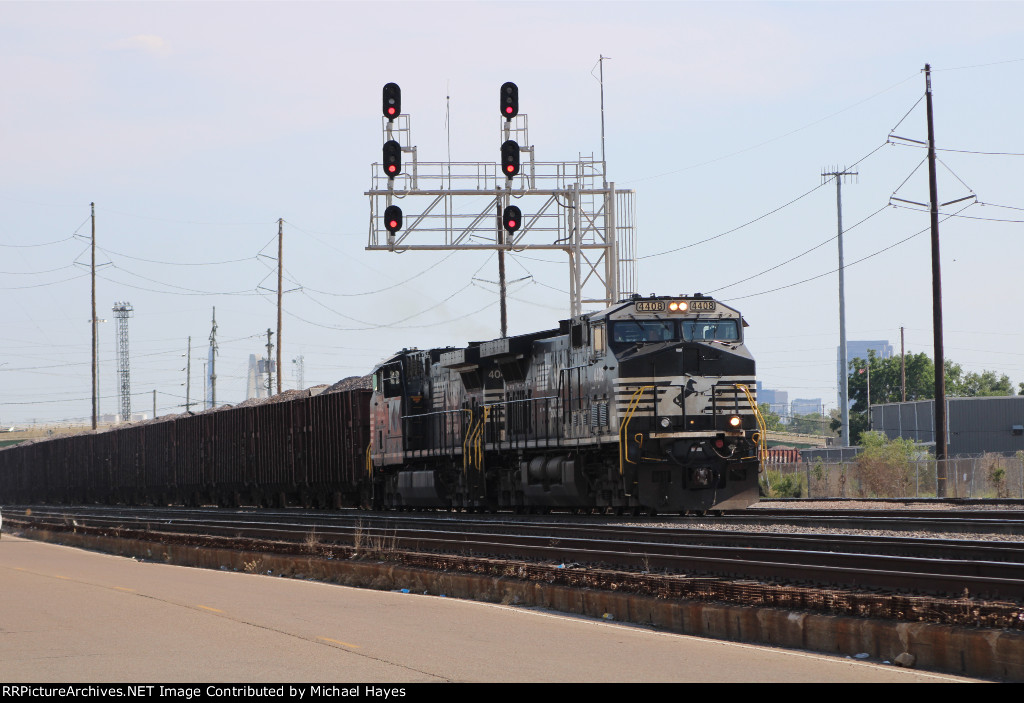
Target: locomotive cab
[(685, 404)]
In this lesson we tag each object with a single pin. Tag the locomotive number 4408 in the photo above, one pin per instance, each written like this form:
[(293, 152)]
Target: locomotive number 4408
[(651, 306)]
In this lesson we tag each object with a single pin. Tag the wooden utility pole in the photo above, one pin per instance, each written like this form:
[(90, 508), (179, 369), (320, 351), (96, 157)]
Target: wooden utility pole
[(844, 364), (280, 267), (270, 365), (95, 383), (940, 362), (213, 360)]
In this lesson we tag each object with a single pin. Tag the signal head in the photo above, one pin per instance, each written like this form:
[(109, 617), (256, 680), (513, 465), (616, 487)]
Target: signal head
[(392, 159), (510, 159), (392, 218), (509, 106), (511, 218), (392, 101)]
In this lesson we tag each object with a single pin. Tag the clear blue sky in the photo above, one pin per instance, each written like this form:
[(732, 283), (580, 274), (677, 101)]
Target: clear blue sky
[(194, 126)]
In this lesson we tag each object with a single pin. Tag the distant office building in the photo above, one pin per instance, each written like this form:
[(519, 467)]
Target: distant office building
[(858, 349), (807, 406), (778, 401)]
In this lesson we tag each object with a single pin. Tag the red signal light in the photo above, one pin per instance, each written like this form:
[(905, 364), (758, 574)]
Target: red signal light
[(392, 158), (393, 218), (392, 100), (510, 158), (509, 100), (511, 218)]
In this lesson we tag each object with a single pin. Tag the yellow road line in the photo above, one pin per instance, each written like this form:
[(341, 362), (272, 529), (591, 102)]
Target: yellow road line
[(212, 610), (343, 644)]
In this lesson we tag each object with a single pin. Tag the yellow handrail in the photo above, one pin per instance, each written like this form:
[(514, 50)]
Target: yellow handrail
[(624, 428), (761, 435), (466, 438), (480, 438)]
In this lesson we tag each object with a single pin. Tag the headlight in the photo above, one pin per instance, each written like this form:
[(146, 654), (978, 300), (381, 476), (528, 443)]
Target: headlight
[(735, 420), (665, 422)]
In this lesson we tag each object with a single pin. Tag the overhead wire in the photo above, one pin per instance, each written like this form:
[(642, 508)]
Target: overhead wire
[(764, 215), (790, 260), (845, 266)]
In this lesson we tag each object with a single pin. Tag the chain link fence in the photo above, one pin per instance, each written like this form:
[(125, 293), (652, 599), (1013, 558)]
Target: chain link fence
[(987, 475)]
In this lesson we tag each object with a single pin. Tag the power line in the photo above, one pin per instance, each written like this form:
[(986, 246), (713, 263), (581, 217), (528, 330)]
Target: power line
[(829, 273), (815, 247), (176, 263), (760, 217)]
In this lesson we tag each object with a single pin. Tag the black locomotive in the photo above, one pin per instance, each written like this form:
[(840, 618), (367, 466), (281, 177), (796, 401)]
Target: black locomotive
[(645, 406)]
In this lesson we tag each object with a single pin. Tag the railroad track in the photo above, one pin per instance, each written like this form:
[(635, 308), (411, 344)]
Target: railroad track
[(996, 522), (938, 567)]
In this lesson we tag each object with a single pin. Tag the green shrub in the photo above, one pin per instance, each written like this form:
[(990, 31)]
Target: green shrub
[(775, 484)]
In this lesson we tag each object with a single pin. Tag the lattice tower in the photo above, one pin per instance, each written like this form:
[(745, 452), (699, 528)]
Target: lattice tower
[(122, 311)]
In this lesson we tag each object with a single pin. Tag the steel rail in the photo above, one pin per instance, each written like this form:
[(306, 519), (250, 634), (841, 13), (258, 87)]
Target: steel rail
[(995, 579)]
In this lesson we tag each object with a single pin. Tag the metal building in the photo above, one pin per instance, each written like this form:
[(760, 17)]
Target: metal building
[(973, 425)]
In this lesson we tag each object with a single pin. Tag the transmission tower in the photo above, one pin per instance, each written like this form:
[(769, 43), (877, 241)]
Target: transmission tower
[(122, 311)]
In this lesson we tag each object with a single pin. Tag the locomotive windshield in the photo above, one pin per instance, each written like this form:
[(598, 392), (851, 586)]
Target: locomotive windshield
[(721, 330), (633, 331), (636, 331)]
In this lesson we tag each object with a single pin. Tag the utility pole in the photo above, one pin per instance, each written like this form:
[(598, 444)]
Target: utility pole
[(270, 365), (154, 403), (903, 368), (95, 381), (844, 363), (280, 267), (188, 378), (940, 362), (869, 389), (213, 357)]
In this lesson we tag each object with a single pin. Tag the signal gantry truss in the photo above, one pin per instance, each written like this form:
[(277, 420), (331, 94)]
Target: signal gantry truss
[(565, 205)]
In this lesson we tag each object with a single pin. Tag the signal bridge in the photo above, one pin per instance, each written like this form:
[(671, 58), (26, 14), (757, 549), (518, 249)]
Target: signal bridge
[(564, 205)]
